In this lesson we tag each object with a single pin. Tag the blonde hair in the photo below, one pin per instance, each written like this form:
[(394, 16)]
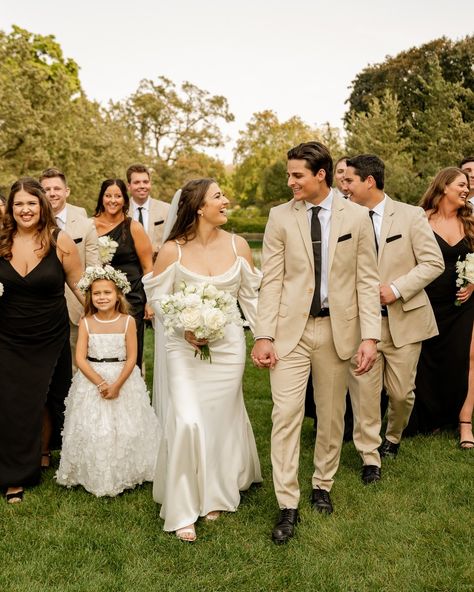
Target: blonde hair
[(121, 305)]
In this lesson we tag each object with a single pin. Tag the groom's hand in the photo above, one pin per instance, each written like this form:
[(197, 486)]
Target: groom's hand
[(263, 354), (366, 356)]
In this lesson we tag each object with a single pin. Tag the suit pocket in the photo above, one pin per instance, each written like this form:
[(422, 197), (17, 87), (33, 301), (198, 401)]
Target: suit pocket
[(283, 312), (395, 237), (344, 237), (78, 240), (158, 222), (419, 300)]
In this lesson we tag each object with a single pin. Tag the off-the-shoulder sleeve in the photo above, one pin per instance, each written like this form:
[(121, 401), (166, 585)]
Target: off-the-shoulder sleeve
[(248, 292), (155, 287), (159, 285)]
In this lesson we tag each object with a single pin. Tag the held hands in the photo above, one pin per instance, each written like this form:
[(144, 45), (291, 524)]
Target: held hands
[(263, 354), (365, 356), (386, 295), (194, 341), (149, 314)]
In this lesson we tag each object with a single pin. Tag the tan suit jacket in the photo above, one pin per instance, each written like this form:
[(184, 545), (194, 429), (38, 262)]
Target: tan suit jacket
[(82, 231), (156, 221), (288, 277), (410, 258)]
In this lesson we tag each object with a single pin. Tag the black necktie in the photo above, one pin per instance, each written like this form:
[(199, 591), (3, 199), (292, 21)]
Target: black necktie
[(371, 214), (140, 216), (316, 240)]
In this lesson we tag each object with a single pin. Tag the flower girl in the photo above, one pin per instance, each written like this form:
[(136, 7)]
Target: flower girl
[(110, 429)]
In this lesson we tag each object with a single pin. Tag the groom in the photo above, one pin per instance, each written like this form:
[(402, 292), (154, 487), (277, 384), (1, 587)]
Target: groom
[(318, 306)]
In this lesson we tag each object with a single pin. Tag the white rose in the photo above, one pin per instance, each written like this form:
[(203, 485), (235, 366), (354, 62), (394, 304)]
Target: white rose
[(213, 319), (190, 318), (191, 301), (210, 291)]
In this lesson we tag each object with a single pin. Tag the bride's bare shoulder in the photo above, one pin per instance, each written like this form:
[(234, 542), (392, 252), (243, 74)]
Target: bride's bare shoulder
[(167, 255)]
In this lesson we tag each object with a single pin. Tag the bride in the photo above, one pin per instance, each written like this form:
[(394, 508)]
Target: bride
[(207, 450)]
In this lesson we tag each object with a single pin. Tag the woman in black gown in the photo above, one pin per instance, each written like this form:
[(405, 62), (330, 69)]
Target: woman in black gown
[(443, 367), (134, 252), (36, 258)]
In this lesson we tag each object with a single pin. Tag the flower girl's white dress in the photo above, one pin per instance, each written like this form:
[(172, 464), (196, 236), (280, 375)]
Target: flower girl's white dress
[(207, 451), (108, 444)]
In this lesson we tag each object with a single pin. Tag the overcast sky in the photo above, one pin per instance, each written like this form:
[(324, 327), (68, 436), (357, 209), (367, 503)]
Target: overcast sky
[(296, 58)]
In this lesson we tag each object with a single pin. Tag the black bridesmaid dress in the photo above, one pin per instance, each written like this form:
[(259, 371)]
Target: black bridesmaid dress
[(443, 367), (126, 259), (35, 365)]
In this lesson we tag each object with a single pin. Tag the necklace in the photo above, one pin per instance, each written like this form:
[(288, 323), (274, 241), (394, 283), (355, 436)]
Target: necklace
[(111, 321)]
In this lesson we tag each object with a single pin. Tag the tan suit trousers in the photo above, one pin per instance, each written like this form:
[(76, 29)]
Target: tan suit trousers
[(394, 368), (288, 379)]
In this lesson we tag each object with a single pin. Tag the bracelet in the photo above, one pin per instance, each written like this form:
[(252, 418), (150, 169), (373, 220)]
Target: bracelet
[(101, 384)]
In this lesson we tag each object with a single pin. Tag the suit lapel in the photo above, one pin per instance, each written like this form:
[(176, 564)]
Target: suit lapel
[(386, 224), (303, 225), (337, 214)]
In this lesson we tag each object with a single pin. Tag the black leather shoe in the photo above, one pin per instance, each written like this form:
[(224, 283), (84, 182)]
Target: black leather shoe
[(388, 449), (285, 527), (371, 474), (321, 501)]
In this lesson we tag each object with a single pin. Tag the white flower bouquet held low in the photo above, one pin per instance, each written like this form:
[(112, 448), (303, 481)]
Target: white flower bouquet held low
[(1, 289), (465, 270), (202, 309), (107, 248)]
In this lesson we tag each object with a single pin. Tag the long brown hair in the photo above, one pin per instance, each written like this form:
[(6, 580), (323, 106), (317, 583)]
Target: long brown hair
[(46, 224), (192, 198), (435, 193)]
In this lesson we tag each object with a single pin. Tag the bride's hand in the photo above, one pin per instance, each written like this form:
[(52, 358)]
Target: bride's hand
[(194, 341)]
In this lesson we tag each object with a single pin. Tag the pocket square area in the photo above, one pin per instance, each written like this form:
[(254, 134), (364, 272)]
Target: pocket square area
[(344, 237), (393, 238)]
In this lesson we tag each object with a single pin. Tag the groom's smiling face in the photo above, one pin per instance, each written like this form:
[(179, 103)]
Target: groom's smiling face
[(303, 183)]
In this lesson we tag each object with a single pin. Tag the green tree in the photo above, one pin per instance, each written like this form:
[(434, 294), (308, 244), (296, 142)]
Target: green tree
[(377, 131), (169, 121), (48, 121), (401, 74), (260, 157)]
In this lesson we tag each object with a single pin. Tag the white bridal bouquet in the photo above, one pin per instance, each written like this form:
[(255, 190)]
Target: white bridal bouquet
[(465, 271), (202, 309), (1, 289), (107, 248)]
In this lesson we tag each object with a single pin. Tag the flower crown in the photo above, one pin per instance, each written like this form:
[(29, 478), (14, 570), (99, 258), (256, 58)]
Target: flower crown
[(103, 273)]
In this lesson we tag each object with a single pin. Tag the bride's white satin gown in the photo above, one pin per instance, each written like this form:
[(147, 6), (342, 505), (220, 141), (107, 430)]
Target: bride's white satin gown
[(207, 452)]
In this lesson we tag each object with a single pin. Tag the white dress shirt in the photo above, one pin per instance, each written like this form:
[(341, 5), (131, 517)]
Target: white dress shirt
[(325, 221), (61, 219), (377, 220), (145, 212)]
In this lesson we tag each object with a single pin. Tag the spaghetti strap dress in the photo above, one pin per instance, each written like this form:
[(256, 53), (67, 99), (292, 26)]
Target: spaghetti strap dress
[(207, 451), (35, 364), (443, 368)]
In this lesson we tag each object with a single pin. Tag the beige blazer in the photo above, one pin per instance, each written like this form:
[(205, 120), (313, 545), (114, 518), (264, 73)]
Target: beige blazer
[(410, 258), (288, 277), (156, 221), (82, 231)]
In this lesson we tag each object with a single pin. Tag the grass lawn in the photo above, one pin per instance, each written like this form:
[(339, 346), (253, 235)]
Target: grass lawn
[(411, 532)]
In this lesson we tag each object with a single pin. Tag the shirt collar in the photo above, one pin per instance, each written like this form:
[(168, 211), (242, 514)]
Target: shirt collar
[(62, 215), (145, 206), (326, 204), (380, 207)]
